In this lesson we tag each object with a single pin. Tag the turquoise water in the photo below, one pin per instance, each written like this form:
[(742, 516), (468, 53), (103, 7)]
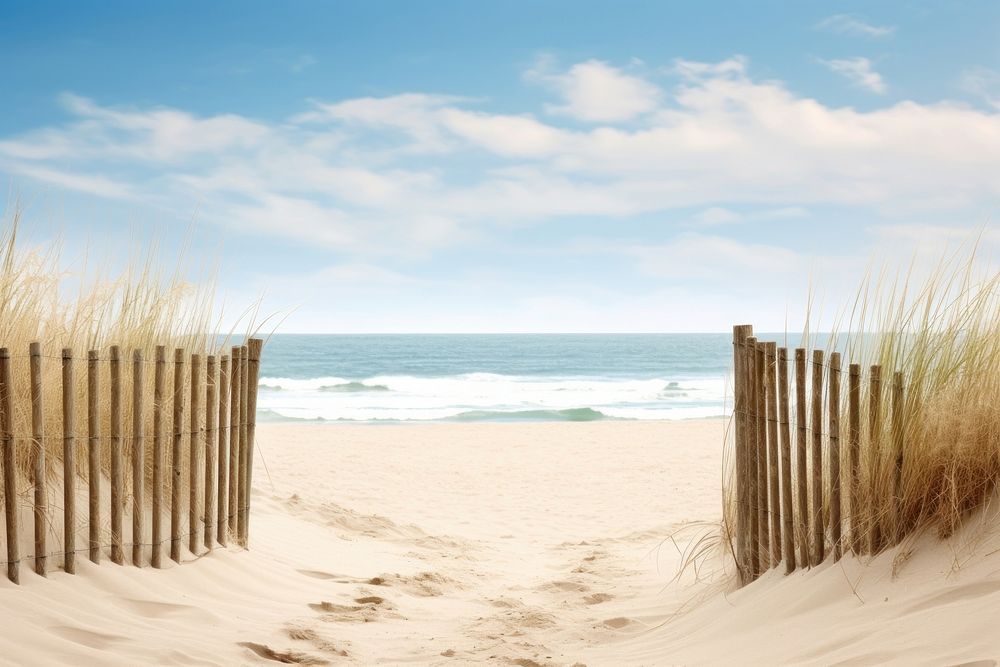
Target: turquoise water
[(517, 377)]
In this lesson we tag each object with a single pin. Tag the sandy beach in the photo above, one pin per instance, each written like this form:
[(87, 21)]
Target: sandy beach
[(428, 544), (506, 544)]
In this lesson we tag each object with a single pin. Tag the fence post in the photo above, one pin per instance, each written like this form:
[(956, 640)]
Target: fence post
[(234, 438), (9, 469), (193, 458), (221, 523), (177, 458), (94, 452), (897, 448), (245, 445), (138, 459), (773, 454), (788, 520), (817, 457), (254, 349), (763, 489), (854, 450), (834, 425), (69, 463), (38, 459), (735, 532), (750, 457), (874, 417), (801, 449), (740, 333), (157, 490), (116, 456), (211, 438)]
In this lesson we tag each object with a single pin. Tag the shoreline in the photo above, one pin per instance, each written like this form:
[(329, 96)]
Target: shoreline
[(459, 422)]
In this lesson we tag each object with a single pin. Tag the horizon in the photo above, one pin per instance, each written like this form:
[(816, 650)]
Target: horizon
[(647, 168), (496, 333)]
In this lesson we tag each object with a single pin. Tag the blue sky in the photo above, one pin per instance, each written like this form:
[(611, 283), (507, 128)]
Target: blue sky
[(509, 166)]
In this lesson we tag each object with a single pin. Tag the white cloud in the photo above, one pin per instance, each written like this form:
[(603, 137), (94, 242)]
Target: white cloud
[(351, 273), (848, 24), (596, 92), (859, 71), (513, 136), (982, 82), (417, 171), (157, 135), (692, 69), (715, 258), (95, 184), (165, 134), (716, 215), (416, 115)]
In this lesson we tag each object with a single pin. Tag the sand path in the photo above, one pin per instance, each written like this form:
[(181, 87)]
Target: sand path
[(503, 544), (516, 544), (433, 544)]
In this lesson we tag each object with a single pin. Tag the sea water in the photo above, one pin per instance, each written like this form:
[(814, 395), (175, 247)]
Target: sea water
[(496, 377)]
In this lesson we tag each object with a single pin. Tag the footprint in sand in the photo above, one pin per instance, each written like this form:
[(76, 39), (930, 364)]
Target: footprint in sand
[(366, 610), (370, 599), (506, 603), (314, 638), (618, 622), (287, 657), (329, 607), (423, 584), (588, 564), (598, 598), (513, 619), (564, 587)]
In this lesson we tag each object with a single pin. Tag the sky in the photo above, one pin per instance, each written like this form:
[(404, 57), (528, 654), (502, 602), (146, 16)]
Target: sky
[(454, 166)]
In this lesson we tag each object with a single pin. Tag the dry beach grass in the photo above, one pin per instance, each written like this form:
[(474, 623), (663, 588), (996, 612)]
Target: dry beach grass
[(928, 450)]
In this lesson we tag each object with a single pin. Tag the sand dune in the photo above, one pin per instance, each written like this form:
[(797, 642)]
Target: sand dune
[(523, 544)]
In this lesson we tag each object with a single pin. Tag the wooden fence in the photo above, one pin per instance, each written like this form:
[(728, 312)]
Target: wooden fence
[(199, 457), (790, 502)]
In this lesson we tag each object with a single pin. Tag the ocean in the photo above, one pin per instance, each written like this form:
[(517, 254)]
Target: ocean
[(494, 377)]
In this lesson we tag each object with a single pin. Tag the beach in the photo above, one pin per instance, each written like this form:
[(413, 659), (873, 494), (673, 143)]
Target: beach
[(425, 544), (533, 334), (506, 544)]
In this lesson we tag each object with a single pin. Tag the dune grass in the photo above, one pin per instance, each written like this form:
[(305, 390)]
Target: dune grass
[(941, 332), (143, 306)]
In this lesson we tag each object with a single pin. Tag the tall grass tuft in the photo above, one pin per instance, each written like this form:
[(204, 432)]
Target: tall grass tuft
[(941, 333), (137, 309)]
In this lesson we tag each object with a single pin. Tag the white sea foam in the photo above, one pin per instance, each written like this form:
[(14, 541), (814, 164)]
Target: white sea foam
[(475, 396)]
